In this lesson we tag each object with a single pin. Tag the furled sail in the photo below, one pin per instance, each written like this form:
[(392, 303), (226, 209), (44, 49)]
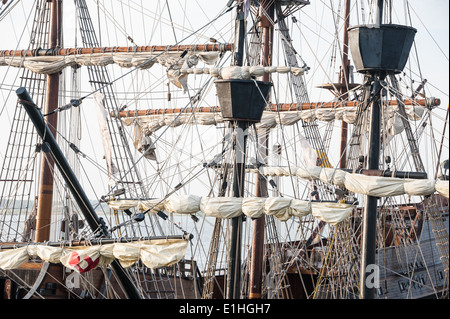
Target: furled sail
[(442, 187), (285, 208), (148, 122), (378, 186), (243, 72), (141, 60), (152, 123), (153, 254), (229, 207)]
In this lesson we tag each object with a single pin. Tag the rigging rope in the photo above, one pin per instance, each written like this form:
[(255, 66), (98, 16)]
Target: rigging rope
[(155, 57)]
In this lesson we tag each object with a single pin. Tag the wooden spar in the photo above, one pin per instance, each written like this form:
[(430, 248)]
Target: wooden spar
[(274, 107), (45, 197), (257, 252), (344, 79), (53, 51)]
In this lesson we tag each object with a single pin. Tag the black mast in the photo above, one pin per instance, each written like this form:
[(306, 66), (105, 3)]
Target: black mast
[(368, 248), (50, 146), (234, 254), (378, 50), (242, 102), (369, 227)]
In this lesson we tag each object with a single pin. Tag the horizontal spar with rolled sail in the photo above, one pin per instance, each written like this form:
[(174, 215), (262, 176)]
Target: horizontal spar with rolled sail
[(49, 61), (155, 252), (284, 107), (116, 49), (95, 241)]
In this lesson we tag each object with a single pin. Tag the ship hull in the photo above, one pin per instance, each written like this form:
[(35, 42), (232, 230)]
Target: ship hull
[(41, 280)]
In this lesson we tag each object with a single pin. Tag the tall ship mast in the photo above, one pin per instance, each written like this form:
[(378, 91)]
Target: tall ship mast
[(198, 151)]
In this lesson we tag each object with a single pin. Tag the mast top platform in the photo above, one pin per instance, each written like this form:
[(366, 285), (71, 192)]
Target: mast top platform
[(380, 48)]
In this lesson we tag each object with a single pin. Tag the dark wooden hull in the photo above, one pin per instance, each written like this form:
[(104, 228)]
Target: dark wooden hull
[(38, 280)]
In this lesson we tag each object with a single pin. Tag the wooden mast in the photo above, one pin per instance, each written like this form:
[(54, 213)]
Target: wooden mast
[(45, 196), (267, 10)]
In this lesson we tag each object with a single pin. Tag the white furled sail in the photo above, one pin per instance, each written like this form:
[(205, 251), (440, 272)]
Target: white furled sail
[(442, 187), (282, 208), (141, 60), (153, 254), (378, 186)]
